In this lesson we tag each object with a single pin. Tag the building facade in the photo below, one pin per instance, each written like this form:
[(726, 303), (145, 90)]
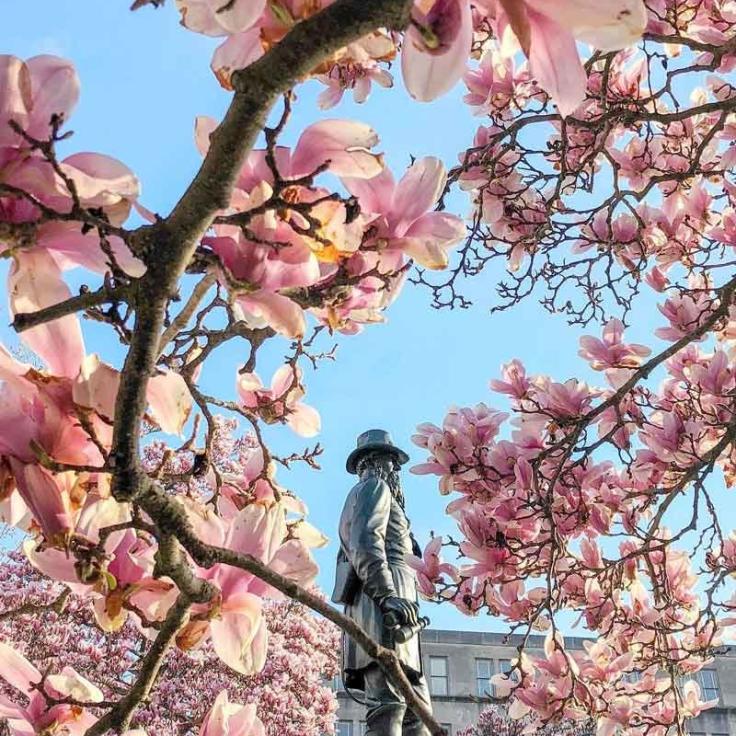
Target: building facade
[(459, 665)]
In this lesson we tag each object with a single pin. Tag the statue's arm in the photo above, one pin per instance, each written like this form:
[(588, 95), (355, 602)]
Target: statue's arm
[(367, 543)]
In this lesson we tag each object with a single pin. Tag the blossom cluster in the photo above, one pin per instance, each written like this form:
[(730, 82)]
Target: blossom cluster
[(436, 46), (291, 694), (549, 523)]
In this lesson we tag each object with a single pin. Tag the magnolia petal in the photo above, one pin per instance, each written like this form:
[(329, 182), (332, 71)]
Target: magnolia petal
[(429, 238), (517, 709), (294, 560), (304, 420), (606, 26), (44, 498), (170, 401), (96, 387), (237, 52), (98, 513), (229, 719), (54, 563), (55, 90), (204, 126), (103, 181), (285, 378), (70, 248), (207, 525), (554, 62), (309, 534), (34, 283), (258, 531), (342, 144), (238, 15), (15, 97), (269, 308), (109, 612), (16, 670), (218, 18), (427, 74), (70, 684), (374, 194), (239, 635), (14, 512), (418, 191)]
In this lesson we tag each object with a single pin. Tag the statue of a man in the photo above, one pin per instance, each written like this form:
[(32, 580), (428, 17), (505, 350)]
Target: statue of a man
[(377, 586)]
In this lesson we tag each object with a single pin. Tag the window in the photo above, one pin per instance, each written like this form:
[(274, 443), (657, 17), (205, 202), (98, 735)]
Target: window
[(336, 683), (708, 681), (483, 674), (344, 728), (438, 675)]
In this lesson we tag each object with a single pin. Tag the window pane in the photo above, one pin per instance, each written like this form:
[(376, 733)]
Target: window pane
[(438, 666), (344, 728), (708, 681), (483, 673), (438, 685), (438, 675), (483, 668)]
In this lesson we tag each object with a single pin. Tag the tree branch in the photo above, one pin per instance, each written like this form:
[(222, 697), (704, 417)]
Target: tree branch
[(119, 717), (104, 295)]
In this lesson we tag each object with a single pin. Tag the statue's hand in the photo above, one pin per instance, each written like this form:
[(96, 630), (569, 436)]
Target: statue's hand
[(406, 611)]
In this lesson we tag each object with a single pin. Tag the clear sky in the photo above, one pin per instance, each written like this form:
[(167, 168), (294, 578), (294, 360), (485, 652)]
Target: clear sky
[(144, 79)]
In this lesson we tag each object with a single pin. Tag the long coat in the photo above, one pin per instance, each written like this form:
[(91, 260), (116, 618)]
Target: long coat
[(374, 542)]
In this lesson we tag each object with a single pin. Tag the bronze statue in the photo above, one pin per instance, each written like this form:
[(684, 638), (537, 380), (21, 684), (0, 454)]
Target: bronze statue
[(376, 585)]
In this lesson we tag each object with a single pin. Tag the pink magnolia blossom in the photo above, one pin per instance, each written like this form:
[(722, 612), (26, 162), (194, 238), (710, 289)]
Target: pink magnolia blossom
[(436, 47), (229, 719), (611, 352), (547, 33), (280, 403), (215, 19), (429, 568), (400, 212), (40, 714)]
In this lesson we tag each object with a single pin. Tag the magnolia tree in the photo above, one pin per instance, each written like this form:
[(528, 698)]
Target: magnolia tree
[(601, 172), (54, 628), (599, 503), (493, 721)]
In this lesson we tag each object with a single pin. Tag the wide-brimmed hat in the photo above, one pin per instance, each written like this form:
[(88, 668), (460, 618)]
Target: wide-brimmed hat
[(373, 439)]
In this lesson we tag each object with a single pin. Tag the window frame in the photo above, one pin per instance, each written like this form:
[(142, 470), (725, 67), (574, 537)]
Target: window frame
[(478, 678), (445, 678)]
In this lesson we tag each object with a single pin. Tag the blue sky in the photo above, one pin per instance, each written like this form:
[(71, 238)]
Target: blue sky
[(144, 79)]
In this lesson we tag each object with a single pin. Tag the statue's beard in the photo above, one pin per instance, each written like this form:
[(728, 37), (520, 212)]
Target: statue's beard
[(385, 469)]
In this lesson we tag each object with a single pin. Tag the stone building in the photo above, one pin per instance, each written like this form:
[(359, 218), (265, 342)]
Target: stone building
[(459, 665)]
